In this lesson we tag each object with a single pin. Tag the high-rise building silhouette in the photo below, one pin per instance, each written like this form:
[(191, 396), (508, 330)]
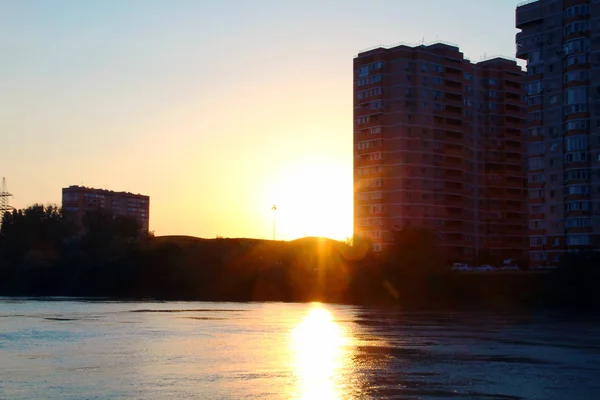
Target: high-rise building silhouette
[(561, 42), (77, 200), (438, 143)]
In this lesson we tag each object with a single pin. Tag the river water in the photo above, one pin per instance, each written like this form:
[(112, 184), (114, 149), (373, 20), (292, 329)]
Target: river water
[(66, 349)]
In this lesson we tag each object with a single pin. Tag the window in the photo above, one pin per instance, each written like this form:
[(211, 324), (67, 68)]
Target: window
[(377, 209), (576, 100), (363, 71), (363, 94), (536, 241), (578, 189), (536, 163), (581, 9), (577, 59), (439, 68), (537, 224), (375, 234), (378, 182), (375, 130), (536, 193), (376, 222), (376, 78), (577, 46), (535, 178), (536, 148), (533, 57), (577, 76), (537, 255), (576, 108), (583, 205), (69, 196), (535, 69), (534, 100), (535, 116), (437, 80), (467, 76), (579, 142), (438, 107), (575, 27), (577, 124), (578, 156), (577, 222), (492, 93), (424, 67), (492, 81), (534, 87), (577, 95), (578, 240), (576, 174), (552, 99), (537, 209), (376, 105)]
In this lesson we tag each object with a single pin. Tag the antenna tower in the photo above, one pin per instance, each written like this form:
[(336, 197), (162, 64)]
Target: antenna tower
[(4, 195)]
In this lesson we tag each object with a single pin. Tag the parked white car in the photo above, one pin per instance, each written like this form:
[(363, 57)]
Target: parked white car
[(510, 268), (485, 268), (461, 267)]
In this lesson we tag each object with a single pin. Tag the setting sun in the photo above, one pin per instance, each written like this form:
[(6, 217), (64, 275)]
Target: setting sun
[(312, 200)]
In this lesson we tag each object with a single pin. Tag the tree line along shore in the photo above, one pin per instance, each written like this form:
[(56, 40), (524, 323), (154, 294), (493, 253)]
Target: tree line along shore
[(42, 253)]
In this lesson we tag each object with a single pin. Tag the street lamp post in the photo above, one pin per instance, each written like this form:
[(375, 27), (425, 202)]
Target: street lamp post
[(274, 208)]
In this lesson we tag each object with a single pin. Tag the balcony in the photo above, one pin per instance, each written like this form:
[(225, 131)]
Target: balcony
[(528, 12), (525, 43)]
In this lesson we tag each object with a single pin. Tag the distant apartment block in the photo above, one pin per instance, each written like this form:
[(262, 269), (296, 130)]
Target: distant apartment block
[(439, 143), (561, 42), (77, 200)]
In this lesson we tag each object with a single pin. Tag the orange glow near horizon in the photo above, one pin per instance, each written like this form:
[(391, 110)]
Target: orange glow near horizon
[(318, 344), (313, 199)]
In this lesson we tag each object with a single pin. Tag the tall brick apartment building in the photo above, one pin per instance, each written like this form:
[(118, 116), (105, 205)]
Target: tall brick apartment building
[(77, 200), (560, 39), (439, 143)]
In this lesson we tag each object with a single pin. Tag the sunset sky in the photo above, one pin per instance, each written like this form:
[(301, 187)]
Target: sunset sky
[(215, 109)]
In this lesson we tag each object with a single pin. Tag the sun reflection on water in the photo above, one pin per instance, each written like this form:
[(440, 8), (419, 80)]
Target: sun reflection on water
[(318, 345)]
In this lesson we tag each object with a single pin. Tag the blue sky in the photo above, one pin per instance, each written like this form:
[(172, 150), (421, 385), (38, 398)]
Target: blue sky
[(216, 109)]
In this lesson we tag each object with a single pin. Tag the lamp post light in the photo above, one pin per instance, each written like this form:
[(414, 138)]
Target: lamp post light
[(274, 208)]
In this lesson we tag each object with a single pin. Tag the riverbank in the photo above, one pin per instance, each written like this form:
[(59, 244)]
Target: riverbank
[(304, 270)]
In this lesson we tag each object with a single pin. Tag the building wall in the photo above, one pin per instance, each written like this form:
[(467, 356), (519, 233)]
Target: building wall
[(77, 200), (501, 162), (561, 43), (419, 157)]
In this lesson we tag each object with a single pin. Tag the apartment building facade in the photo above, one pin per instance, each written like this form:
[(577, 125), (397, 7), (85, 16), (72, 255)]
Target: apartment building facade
[(77, 200), (560, 40), (438, 143)]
